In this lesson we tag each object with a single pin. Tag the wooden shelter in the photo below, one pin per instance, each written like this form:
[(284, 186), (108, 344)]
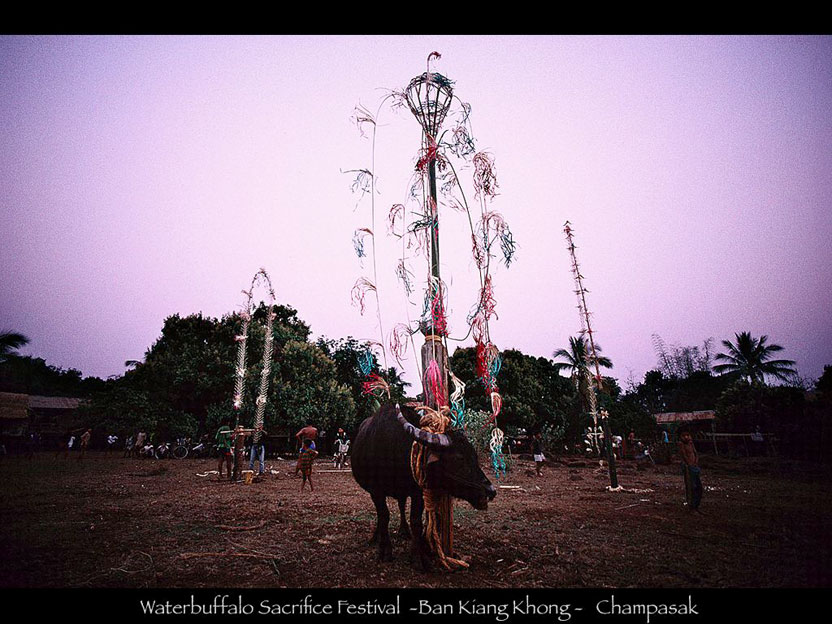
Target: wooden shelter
[(54, 416), (14, 414), (685, 418)]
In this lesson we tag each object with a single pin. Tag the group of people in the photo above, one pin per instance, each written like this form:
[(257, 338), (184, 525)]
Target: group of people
[(83, 441), (230, 445), (136, 446)]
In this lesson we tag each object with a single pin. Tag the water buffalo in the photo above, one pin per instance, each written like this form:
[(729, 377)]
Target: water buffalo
[(381, 465)]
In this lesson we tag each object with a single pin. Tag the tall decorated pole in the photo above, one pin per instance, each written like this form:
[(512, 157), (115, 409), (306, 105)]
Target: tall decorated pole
[(592, 358), (429, 98), (242, 340), (265, 373), (240, 373)]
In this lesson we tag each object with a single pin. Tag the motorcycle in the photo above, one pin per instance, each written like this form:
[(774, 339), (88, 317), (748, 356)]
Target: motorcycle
[(203, 449), (162, 450)]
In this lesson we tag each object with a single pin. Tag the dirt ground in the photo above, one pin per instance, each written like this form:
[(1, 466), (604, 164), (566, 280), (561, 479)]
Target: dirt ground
[(133, 523)]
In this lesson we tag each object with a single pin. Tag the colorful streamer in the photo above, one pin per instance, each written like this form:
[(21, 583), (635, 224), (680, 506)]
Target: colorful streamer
[(434, 383), (498, 461), (399, 336), (358, 241), (457, 402), (375, 386), (359, 292)]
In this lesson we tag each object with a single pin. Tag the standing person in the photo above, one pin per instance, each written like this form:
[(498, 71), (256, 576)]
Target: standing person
[(308, 432), (690, 468), (258, 450), (140, 438), (128, 446), (342, 447), (69, 444), (537, 452), (112, 440), (85, 441), (223, 446), (239, 444), (630, 451), (307, 457)]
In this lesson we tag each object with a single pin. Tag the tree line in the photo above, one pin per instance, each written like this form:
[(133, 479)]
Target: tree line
[(183, 385)]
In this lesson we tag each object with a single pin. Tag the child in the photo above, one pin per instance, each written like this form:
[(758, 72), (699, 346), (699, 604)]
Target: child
[(307, 456), (342, 447), (537, 451)]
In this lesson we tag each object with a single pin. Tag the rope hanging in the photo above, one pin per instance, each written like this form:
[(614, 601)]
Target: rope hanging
[(438, 503)]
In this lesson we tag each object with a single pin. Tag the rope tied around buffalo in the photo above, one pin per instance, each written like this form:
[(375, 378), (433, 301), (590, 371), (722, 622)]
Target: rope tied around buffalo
[(438, 504)]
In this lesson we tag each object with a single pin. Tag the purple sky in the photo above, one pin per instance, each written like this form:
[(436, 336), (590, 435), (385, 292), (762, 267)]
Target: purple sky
[(147, 176)]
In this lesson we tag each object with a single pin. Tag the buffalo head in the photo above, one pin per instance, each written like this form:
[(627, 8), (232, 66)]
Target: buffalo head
[(452, 465)]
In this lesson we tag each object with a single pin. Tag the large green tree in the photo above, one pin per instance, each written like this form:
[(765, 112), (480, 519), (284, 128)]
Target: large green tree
[(186, 379), (533, 392), (348, 354), (751, 359), (308, 392)]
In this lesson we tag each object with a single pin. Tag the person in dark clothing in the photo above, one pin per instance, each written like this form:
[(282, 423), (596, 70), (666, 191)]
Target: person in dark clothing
[(690, 469), (537, 452), (223, 445), (239, 446)]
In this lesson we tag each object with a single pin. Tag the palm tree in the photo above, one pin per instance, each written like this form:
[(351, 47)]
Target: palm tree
[(578, 358), (10, 341), (395, 380), (750, 358)]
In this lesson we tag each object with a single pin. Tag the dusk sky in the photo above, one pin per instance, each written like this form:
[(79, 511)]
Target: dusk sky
[(144, 176)]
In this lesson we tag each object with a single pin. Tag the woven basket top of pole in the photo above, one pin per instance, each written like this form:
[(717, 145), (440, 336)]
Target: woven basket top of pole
[(429, 98)]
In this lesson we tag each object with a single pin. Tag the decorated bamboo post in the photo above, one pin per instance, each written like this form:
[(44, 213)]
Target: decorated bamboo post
[(242, 339), (592, 358), (429, 97)]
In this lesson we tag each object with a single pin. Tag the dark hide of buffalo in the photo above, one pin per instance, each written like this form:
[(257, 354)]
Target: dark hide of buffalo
[(381, 465)]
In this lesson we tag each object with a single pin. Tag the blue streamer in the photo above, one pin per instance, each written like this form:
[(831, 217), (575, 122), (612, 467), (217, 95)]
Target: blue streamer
[(498, 462), (366, 362)]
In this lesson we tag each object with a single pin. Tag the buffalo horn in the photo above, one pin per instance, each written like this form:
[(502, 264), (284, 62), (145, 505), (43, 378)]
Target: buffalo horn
[(425, 437)]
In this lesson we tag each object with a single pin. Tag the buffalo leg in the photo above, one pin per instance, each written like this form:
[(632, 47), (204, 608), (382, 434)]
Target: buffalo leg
[(385, 548), (419, 551), (404, 529)]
